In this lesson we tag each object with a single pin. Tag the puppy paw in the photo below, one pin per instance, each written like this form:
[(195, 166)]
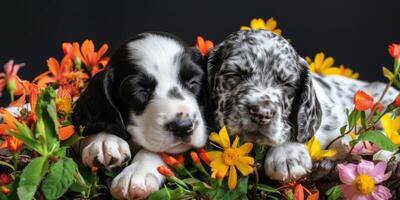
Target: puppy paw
[(105, 149), (139, 179), (287, 161)]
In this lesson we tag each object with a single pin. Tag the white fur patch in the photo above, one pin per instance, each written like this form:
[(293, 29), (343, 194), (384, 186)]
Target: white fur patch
[(287, 161), (140, 178), (105, 148)]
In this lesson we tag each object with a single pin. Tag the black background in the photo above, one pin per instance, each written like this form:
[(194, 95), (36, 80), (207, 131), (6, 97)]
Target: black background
[(355, 32)]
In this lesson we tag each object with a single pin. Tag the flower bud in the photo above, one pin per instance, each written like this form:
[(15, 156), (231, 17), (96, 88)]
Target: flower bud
[(180, 158), (362, 101), (170, 160), (165, 171), (396, 102), (195, 158), (5, 190), (203, 155)]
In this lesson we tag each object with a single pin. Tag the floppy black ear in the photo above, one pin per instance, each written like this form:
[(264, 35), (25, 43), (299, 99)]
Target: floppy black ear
[(306, 112), (95, 109)]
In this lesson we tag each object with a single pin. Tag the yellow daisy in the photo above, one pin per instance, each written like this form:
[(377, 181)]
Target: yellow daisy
[(391, 128), (314, 148), (230, 158), (322, 65), (258, 23)]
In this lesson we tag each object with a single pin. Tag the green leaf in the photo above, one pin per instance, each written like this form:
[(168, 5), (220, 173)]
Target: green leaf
[(334, 193), (363, 122), (47, 118), (378, 138), (343, 129), (167, 193), (387, 73), (242, 185), (267, 188), (59, 178), (31, 177)]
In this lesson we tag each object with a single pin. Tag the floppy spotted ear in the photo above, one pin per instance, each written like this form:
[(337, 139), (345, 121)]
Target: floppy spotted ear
[(95, 109), (306, 113)]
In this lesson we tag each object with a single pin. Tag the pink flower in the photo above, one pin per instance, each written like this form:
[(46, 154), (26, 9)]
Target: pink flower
[(365, 148), (5, 179), (360, 181)]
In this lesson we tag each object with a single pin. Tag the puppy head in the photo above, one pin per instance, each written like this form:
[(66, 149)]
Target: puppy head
[(259, 86), (151, 92)]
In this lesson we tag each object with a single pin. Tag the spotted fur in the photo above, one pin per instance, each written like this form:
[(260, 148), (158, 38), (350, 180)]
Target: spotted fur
[(257, 68)]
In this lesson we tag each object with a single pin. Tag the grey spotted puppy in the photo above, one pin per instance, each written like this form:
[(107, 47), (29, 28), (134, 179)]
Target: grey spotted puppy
[(260, 87)]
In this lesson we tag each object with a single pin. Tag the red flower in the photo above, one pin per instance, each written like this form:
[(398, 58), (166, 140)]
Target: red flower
[(180, 158), (397, 101), (362, 101), (165, 171), (203, 155), (204, 45), (170, 160), (195, 158), (12, 144), (5, 179), (394, 50)]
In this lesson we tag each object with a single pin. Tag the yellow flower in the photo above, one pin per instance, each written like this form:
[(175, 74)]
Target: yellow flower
[(257, 24), (64, 101), (230, 158), (325, 66), (391, 128), (314, 148)]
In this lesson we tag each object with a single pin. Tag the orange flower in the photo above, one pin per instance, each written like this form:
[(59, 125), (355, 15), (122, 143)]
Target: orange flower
[(181, 159), (394, 50), (66, 132), (204, 45), (8, 122), (12, 144), (5, 190), (165, 171), (396, 102), (170, 160), (9, 78), (195, 158), (87, 54), (57, 71), (362, 101), (203, 155), (64, 100)]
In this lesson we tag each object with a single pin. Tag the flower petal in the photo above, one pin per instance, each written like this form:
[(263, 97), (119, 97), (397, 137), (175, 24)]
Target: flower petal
[(245, 148), (347, 173), (381, 193), (245, 169), (235, 142), (213, 155), (313, 146), (246, 159), (324, 154), (215, 138), (232, 180), (224, 137), (378, 172), (217, 163), (223, 169), (366, 167), (348, 191)]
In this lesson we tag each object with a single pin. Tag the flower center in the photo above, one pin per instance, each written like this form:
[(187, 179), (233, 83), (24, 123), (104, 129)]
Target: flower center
[(363, 184), (64, 104), (230, 156)]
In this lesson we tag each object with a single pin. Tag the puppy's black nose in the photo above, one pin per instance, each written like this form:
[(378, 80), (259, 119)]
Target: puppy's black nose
[(181, 127), (261, 114)]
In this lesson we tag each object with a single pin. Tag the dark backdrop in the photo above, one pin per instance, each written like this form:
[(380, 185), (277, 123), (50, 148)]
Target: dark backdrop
[(355, 32)]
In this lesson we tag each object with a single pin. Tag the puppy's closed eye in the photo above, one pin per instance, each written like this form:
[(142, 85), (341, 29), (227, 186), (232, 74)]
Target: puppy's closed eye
[(137, 90)]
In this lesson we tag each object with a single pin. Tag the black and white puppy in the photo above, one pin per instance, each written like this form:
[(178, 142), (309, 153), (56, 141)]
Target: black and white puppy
[(146, 101), (260, 87)]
